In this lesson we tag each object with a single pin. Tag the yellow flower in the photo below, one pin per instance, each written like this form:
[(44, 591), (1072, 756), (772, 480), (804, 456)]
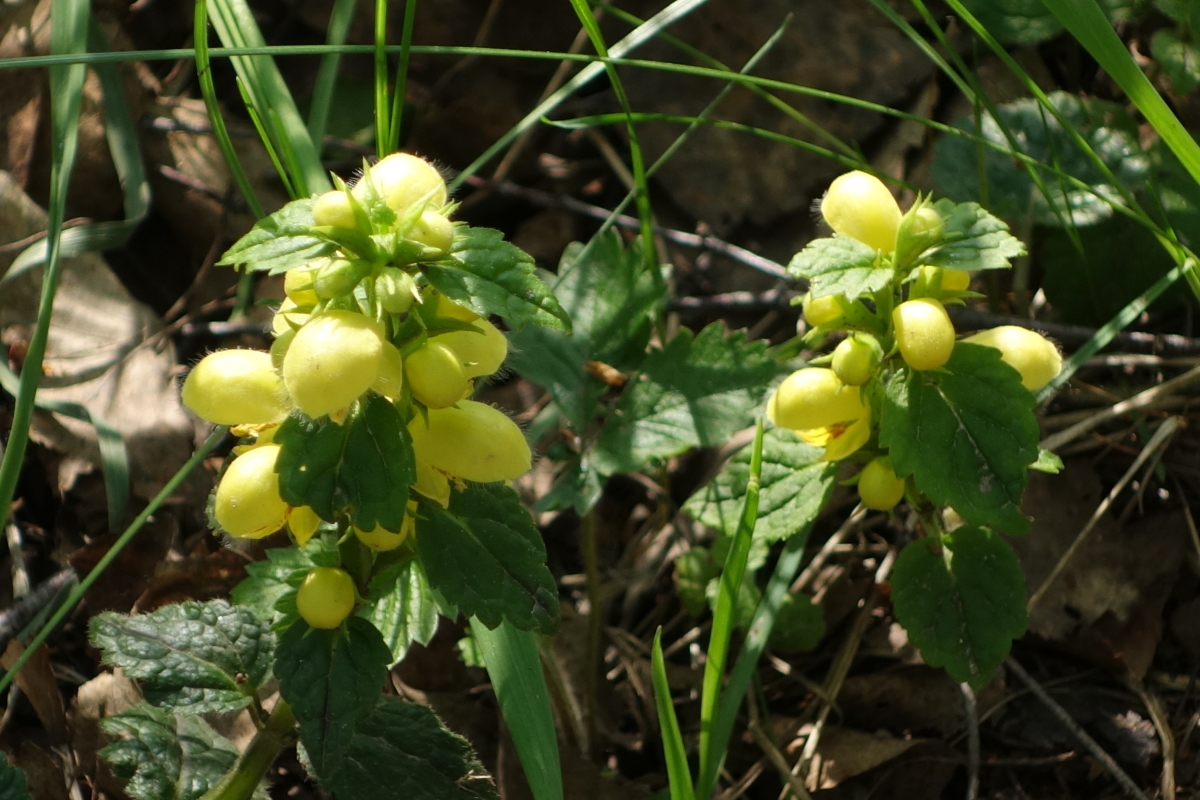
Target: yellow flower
[(839, 440)]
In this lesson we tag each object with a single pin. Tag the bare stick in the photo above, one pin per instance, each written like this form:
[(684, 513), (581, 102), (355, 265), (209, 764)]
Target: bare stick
[(972, 715), (1138, 401)]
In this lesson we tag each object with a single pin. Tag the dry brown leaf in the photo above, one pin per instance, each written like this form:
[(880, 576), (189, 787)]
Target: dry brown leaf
[(100, 354), (843, 753), (37, 681)]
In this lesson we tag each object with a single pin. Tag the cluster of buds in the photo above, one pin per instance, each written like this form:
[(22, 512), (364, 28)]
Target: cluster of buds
[(349, 327), (831, 406)]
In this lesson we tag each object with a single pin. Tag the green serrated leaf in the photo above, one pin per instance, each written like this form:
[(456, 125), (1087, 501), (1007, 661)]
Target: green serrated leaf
[(840, 265), (362, 467), (489, 275), (966, 433), (12, 782), (1047, 462), (403, 608), (194, 658), (486, 556), (964, 606), (165, 756), (332, 679), (282, 573), (795, 485), (1108, 129), (402, 751), (612, 301), (973, 239), (697, 392), (279, 242)]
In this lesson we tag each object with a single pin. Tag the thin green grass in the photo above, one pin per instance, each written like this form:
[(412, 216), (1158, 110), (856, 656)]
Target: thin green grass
[(326, 83), (69, 23), (679, 775)]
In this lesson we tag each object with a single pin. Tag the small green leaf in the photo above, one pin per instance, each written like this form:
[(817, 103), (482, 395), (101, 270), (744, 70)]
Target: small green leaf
[(486, 556), (491, 276), (332, 679), (1180, 60), (194, 658), (964, 606), (612, 301), (694, 571), (795, 485), (363, 467), (840, 265), (402, 751), (1047, 462), (279, 242), (167, 757), (280, 574), (697, 392), (402, 607), (799, 625), (12, 782), (966, 433), (973, 239)]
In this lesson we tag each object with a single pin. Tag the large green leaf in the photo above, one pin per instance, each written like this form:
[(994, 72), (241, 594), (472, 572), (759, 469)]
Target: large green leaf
[(402, 751), (795, 484), (612, 301), (362, 467), (194, 658), (966, 433), (1106, 127), (491, 276), (167, 757), (402, 608), (840, 265), (961, 606), (696, 392), (973, 239), (486, 557), (279, 242), (332, 679)]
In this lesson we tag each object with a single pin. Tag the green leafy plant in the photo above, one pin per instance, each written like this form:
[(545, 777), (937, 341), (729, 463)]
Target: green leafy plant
[(370, 478)]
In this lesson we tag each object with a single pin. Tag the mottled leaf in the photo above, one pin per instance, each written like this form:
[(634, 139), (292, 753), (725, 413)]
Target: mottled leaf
[(840, 265)]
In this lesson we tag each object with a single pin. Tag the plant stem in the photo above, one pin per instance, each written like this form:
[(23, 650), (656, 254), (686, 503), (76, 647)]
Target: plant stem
[(241, 781)]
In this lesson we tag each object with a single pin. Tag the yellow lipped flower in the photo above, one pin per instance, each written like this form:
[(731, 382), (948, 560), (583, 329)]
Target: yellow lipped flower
[(839, 440)]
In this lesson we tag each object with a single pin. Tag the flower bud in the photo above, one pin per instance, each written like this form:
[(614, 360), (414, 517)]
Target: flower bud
[(234, 387), (332, 360), (472, 441), (247, 502)]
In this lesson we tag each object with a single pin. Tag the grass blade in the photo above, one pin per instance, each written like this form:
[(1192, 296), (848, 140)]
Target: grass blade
[(1087, 23), (269, 96), (724, 613), (216, 119), (381, 78), (114, 457), (401, 88), (678, 774), (672, 13), (327, 74), (69, 22), (515, 669)]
